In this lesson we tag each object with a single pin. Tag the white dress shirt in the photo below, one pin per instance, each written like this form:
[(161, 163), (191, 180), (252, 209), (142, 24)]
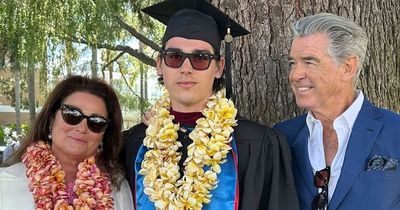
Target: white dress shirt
[(343, 126)]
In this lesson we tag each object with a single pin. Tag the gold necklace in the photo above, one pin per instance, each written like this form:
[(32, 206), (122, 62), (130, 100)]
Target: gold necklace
[(211, 138)]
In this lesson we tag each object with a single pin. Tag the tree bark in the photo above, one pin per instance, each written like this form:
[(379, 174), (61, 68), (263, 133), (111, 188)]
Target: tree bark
[(110, 68), (43, 78), (260, 60), (15, 65), (31, 92), (142, 83), (93, 62)]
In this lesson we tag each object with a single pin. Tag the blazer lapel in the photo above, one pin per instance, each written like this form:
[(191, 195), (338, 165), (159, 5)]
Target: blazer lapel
[(364, 134), (300, 152)]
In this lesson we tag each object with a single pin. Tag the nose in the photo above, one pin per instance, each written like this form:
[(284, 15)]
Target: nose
[(186, 67), (297, 72), (82, 126)]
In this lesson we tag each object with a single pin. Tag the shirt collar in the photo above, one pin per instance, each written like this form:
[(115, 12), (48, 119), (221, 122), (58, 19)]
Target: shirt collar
[(350, 115), (352, 112), (311, 122)]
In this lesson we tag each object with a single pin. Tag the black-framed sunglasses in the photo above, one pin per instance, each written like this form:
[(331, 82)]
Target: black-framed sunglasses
[(199, 60), (73, 116), (321, 180)]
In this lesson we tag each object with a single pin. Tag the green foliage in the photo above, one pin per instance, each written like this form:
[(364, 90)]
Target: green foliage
[(2, 137), (29, 24), (46, 33), (7, 89), (8, 133)]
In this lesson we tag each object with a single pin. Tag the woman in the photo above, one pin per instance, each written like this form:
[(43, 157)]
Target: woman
[(69, 159)]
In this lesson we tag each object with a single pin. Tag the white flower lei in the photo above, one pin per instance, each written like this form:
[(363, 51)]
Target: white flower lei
[(211, 138)]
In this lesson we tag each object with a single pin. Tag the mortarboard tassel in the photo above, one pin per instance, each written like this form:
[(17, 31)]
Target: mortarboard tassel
[(228, 57)]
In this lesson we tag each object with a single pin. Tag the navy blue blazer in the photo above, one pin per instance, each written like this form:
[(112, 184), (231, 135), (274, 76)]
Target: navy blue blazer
[(376, 131)]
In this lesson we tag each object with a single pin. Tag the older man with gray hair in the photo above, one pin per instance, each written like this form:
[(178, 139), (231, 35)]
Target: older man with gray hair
[(345, 150)]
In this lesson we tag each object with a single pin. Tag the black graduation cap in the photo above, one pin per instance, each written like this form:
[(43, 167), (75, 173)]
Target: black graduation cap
[(198, 19)]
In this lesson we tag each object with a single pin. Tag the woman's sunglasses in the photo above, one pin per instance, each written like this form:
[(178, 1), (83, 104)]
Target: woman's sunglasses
[(74, 116), (199, 60)]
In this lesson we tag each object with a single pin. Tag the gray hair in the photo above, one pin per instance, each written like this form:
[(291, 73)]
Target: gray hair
[(347, 38)]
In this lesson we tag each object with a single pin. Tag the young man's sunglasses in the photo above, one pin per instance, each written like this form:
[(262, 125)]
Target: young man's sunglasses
[(74, 116), (199, 60)]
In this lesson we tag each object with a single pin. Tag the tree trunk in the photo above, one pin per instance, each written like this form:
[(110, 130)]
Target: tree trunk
[(146, 94), (142, 83), (110, 67), (15, 65), (260, 60), (68, 54), (43, 75), (18, 100), (31, 92), (68, 66), (93, 63)]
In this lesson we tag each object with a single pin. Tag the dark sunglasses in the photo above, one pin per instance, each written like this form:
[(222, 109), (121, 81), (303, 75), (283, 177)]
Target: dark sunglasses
[(199, 60), (74, 116), (321, 180)]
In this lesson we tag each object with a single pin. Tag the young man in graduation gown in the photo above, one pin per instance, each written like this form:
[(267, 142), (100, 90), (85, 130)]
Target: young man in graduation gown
[(196, 152)]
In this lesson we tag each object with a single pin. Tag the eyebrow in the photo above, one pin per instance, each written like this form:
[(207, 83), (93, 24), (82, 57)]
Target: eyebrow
[(310, 58), (194, 51), (173, 49), (80, 110), (201, 51), (306, 58)]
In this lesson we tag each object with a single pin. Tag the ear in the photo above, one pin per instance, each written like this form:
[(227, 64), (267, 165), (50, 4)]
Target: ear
[(158, 62), (51, 119), (220, 70), (350, 68), (50, 128)]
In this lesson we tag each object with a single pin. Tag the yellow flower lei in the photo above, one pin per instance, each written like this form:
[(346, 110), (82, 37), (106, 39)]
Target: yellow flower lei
[(46, 182), (210, 147)]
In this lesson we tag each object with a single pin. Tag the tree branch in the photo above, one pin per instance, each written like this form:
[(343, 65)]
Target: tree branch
[(123, 48), (127, 84), (112, 61), (136, 34)]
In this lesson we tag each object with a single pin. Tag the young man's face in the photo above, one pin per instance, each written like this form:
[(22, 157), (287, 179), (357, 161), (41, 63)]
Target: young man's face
[(189, 88)]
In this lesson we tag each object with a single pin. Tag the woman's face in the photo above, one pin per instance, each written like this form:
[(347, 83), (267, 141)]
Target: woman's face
[(78, 141)]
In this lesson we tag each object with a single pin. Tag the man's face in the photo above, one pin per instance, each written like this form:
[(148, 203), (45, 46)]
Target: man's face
[(316, 79), (189, 89)]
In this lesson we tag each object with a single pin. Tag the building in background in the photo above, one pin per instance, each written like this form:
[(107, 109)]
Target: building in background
[(7, 110)]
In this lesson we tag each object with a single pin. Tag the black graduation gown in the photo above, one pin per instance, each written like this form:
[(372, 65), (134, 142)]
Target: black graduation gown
[(264, 162)]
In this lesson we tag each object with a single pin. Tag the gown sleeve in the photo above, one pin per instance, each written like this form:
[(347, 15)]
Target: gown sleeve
[(123, 197), (133, 139), (265, 176)]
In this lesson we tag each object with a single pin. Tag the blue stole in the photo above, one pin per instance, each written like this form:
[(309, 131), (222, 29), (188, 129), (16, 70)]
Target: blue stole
[(224, 197)]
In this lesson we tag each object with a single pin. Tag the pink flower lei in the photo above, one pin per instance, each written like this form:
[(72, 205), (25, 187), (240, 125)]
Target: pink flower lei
[(46, 182)]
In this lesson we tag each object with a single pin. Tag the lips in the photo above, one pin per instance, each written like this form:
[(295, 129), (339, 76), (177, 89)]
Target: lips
[(78, 139), (303, 89), (185, 84)]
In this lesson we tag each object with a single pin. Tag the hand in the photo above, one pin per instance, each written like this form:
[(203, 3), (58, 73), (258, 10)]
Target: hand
[(147, 116)]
